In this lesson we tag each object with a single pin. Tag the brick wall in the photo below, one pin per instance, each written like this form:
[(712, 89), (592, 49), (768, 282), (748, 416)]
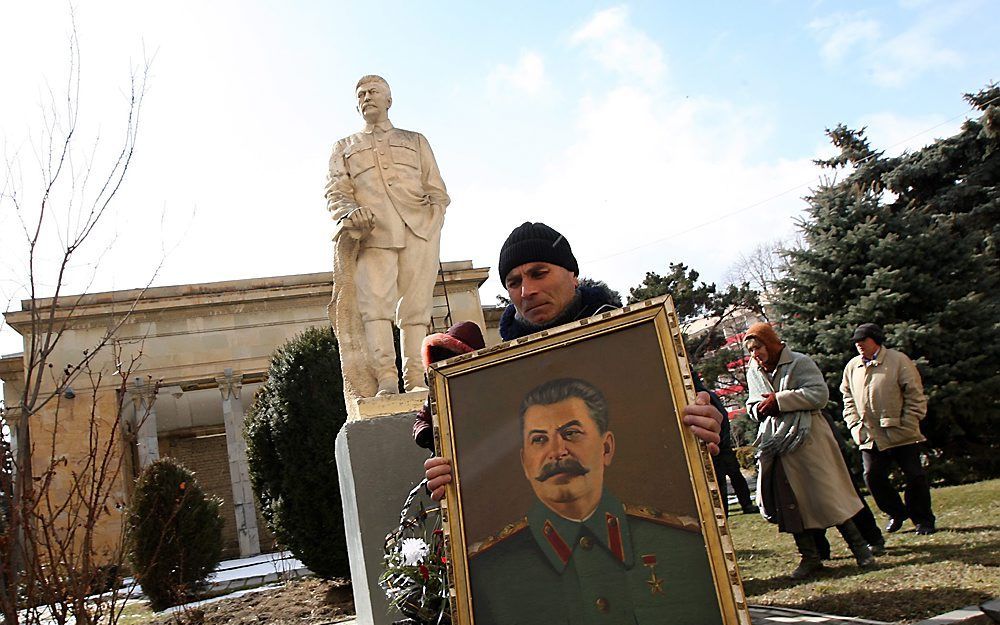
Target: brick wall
[(207, 457)]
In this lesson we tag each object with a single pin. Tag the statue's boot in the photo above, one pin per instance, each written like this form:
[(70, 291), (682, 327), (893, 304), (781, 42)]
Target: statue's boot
[(411, 339), (382, 355), (859, 547)]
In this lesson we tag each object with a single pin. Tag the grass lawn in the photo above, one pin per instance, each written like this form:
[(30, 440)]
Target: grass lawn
[(918, 577)]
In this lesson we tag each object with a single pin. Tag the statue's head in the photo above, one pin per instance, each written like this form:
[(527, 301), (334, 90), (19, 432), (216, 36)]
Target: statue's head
[(374, 98)]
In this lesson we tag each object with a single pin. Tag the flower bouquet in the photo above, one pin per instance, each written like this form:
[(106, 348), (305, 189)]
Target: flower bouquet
[(415, 579)]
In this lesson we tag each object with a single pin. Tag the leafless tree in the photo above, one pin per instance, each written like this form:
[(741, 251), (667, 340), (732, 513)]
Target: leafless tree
[(50, 508), (761, 267)]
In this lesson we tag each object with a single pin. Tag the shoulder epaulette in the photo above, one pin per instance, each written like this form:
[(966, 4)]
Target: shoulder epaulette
[(686, 523), (499, 537)]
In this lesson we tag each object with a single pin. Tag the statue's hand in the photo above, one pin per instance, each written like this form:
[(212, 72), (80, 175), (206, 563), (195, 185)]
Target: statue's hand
[(359, 221)]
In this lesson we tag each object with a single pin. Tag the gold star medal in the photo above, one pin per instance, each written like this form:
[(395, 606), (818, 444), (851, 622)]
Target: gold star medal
[(655, 583)]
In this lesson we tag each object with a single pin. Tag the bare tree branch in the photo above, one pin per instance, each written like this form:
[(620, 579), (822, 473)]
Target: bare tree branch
[(51, 508)]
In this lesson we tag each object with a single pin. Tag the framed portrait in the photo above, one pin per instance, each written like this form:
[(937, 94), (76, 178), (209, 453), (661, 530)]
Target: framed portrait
[(578, 495)]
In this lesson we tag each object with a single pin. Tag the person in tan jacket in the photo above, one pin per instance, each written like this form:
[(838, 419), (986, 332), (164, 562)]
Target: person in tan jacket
[(884, 403)]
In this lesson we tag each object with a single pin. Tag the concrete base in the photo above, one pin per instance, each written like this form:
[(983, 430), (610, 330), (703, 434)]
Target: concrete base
[(378, 464), (972, 615), (370, 407)]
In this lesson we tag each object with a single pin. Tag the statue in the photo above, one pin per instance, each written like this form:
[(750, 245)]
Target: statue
[(387, 198)]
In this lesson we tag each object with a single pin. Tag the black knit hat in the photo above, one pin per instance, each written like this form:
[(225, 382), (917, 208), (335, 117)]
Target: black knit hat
[(868, 331), (536, 242)]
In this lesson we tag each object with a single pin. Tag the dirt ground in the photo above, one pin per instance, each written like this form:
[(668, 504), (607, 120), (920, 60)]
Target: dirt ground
[(307, 601)]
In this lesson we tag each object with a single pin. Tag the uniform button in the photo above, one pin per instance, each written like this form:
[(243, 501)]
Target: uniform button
[(385, 165), (389, 183), (379, 139), (586, 542), (603, 605), (381, 151)]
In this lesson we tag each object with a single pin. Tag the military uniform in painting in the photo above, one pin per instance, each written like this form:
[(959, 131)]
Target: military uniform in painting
[(621, 565)]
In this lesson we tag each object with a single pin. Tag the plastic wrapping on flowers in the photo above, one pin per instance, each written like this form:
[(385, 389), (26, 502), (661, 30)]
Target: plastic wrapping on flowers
[(415, 578)]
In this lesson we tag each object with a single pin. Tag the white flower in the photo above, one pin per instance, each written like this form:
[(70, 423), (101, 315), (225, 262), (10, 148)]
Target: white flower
[(414, 550)]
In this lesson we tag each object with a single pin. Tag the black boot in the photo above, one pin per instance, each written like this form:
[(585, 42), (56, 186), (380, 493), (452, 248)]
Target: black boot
[(810, 563), (854, 539), (822, 544)]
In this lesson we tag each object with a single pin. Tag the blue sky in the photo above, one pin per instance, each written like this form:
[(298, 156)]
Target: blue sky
[(647, 132)]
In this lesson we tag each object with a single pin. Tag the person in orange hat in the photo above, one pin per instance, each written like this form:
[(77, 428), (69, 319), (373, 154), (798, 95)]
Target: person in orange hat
[(461, 338), (804, 484)]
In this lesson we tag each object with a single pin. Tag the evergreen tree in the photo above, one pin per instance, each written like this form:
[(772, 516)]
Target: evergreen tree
[(175, 534), (290, 430), (910, 243), (681, 283), (694, 299)]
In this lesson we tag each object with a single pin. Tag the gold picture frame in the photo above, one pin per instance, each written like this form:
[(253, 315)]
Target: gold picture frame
[(655, 480)]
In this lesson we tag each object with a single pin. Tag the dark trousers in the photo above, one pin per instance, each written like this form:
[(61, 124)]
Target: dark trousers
[(864, 521), (726, 465), (877, 463)]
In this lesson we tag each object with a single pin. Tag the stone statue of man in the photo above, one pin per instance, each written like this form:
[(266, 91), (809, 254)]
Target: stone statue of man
[(386, 195)]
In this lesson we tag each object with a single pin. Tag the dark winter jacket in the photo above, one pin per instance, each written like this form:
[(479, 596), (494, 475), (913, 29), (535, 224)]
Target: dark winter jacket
[(590, 299), (726, 436)]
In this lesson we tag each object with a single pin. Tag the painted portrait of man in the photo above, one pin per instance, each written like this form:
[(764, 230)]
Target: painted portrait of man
[(580, 554)]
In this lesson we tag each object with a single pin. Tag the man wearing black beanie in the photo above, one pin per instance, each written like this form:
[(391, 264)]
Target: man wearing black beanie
[(541, 275)]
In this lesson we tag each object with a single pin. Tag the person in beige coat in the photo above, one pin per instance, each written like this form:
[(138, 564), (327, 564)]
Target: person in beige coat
[(884, 404), (803, 484)]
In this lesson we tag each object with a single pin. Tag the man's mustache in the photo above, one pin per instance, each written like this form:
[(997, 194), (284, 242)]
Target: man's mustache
[(569, 466)]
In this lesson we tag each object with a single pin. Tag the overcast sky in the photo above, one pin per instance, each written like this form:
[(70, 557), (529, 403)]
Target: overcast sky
[(645, 132)]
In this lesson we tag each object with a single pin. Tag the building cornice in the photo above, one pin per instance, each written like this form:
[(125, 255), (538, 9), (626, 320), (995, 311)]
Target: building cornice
[(140, 302)]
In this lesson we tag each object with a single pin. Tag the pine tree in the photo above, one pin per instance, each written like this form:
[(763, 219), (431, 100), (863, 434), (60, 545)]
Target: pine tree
[(910, 243), (694, 299)]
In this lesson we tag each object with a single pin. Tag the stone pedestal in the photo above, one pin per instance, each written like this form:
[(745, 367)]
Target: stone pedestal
[(379, 464)]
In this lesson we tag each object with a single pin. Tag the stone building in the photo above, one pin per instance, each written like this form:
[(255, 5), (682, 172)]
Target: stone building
[(202, 351)]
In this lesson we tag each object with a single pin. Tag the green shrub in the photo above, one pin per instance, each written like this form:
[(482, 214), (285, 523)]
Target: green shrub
[(290, 431), (174, 534), (747, 457), (744, 430)]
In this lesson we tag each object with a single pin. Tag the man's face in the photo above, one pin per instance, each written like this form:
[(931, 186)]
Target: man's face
[(540, 291), (758, 351), (374, 101), (866, 347), (564, 454)]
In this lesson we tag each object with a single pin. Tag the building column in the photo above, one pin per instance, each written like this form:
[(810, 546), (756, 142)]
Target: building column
[(144, 402), (244, 505)]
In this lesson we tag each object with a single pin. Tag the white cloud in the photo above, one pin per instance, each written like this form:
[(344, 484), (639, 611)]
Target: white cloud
[(841, 35), (645, 179), (909, 54), (527, 76), (889, 60), (612, 41), (897, 133)]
